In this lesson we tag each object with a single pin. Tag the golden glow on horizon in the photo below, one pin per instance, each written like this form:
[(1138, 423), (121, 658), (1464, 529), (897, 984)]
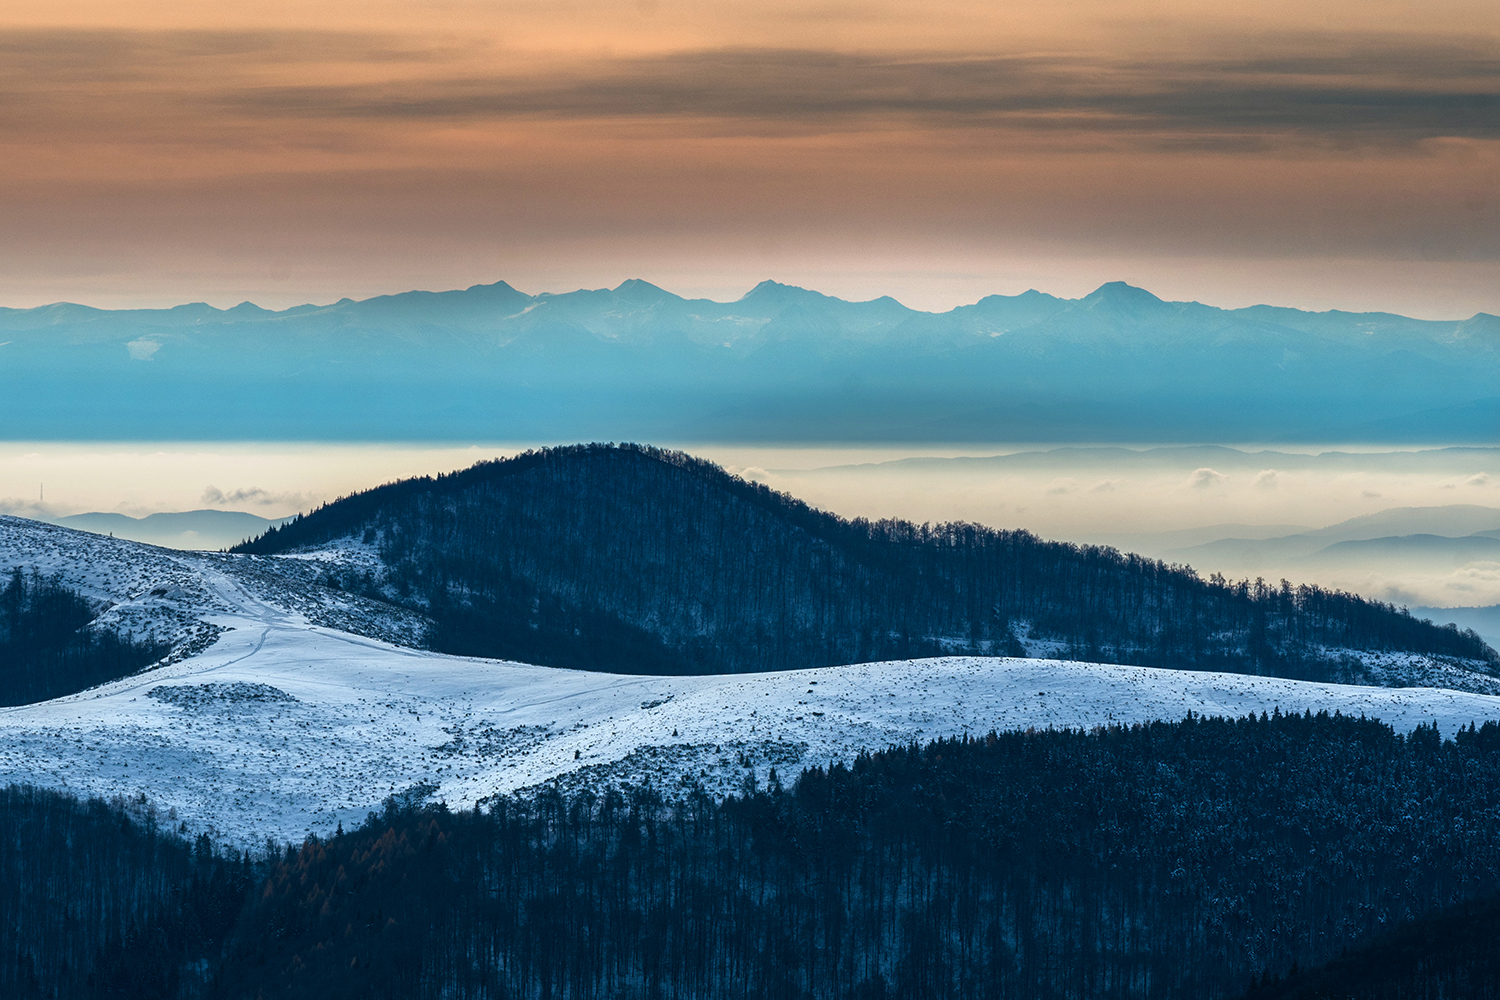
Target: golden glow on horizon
[(1080, 494)]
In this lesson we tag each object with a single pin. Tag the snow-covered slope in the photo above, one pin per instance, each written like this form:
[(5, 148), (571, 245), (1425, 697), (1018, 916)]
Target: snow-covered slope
[(292, 722), (176, 596), (283, 728)]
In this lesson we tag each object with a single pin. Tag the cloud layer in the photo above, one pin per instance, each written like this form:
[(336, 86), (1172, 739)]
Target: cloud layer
[(1364, 90), (256, 496)]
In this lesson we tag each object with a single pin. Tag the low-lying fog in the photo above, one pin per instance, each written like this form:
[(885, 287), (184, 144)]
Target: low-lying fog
[(1424, 524)]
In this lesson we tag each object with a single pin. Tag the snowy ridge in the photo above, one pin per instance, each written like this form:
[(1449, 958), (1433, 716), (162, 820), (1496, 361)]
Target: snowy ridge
[(1384, 668), (1425, 670), (349, 554), (312, 706), (283, 729), (174, 596)]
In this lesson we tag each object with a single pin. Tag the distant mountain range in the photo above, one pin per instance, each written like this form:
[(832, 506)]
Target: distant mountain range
[(1465, 532), (781, 363), (1394, 544)]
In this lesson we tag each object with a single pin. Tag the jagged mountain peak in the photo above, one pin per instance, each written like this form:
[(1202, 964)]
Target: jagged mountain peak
[(770, 292), (1483, 323), (642, 292), (822, 314), (1121, 295), (639, 284), (498, 291)]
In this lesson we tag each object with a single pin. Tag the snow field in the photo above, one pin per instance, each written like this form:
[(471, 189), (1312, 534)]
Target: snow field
[(287, 729)]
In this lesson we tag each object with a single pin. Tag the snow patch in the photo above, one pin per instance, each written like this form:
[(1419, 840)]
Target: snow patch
[(201, 696)]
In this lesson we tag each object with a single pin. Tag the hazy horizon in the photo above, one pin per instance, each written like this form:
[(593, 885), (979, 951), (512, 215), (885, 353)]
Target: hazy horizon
[(1146, 499), (722, 297)]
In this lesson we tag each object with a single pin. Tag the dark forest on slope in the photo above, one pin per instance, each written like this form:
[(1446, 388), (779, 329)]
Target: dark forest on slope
[(1454, 953), (47, 648), (98, 900), (631, 558), (1193, 859)]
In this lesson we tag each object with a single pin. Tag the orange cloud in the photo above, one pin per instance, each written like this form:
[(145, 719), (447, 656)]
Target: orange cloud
[(306, 140)]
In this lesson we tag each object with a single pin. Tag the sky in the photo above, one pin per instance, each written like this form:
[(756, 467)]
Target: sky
[(1324, 155), (1059, 492)]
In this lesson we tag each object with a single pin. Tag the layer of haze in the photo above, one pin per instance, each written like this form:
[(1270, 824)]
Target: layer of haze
[(1151, 500), (1316, 155)]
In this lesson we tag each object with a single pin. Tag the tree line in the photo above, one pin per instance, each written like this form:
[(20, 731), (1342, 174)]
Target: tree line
[(1448, 954), (631, 558), (1170, 860), (48, 647), (105, 899), (1204, 858)]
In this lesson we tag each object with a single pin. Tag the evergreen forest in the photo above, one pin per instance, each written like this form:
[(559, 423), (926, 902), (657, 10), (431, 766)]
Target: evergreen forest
[(1272, 857), (633, 559), (47, 647)]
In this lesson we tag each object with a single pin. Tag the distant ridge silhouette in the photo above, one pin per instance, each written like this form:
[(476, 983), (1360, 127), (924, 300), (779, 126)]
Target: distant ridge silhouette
[(779, 363)]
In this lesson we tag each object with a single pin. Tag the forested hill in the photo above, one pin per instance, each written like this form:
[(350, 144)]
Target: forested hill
[(631, 558), (51, 644)]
